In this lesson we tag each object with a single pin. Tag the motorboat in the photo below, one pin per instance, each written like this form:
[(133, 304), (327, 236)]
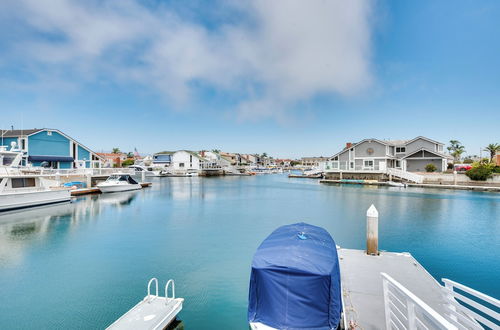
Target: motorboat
[(396, 184), (149, 171), (295, 280), (18, 190), (119, 182)]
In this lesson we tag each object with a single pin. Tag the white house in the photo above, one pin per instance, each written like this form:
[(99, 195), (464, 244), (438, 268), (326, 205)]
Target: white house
[(184, 160)]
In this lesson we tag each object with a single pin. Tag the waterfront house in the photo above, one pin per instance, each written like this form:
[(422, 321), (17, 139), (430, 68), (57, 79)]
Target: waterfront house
[(112, 159), (187, 160), (162, 159), (313, 161), (50, 147), (379, 155)]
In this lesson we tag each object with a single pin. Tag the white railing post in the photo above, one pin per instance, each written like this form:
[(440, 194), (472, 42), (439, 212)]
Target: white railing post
[(372, 230)]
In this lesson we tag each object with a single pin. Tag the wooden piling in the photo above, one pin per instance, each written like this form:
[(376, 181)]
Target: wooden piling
[(372, 231)]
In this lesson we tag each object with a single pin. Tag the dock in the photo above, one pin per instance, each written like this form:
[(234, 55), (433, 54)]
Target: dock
[(362, 289), (153, 312)]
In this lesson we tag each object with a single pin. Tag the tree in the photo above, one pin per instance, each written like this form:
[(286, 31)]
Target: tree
[(127, 162), (493, 148), (115, 151), (216, 151), (264, 155), (456, 149), (130, 155)]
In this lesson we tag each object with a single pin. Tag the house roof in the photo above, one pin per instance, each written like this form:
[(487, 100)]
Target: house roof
[(427, 150), (31, 131), (425, 138), (19, 132), (357, 143)]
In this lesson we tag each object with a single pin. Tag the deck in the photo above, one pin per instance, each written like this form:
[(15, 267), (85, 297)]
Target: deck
[(362, 285)]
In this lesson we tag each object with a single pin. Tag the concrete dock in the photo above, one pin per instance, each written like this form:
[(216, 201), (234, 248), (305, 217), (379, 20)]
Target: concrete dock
[(362, 289)]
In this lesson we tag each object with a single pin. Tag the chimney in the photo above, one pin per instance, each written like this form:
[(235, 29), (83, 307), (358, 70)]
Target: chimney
[(348, 145)]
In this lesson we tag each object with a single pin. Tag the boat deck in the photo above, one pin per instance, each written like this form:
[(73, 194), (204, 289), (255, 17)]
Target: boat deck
[(362, 285), (154, 314)]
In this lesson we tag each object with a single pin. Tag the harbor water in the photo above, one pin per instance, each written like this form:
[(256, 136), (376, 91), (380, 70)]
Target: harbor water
[(82, 265)]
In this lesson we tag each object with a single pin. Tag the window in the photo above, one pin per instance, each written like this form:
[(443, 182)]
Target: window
[(23, 144), (368, 163), (352, 164), (398, 163), (400, 149), (23, 182), (181, 164)]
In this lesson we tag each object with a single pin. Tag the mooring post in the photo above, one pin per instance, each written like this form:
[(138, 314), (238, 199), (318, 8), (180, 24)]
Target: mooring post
[(340, 175), (143, 176), (89, 180), (455, 178), (372, 231)]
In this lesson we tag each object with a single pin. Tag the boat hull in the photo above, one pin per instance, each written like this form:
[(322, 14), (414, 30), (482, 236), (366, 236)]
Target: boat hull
[(118, 188), (20, 200)]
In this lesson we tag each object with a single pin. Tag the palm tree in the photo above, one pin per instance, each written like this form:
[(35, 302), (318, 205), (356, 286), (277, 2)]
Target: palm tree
[(115, 151), (456, 149), (493, 148)]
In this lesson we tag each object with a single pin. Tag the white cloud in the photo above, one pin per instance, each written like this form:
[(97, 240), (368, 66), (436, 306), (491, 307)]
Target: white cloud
[(279, 53)]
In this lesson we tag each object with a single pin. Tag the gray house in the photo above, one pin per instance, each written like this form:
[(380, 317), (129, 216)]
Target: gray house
[(379, 155)]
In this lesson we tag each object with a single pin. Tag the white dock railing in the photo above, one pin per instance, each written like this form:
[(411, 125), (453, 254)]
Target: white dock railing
[(480, 303), (409, 176), (404, 310)]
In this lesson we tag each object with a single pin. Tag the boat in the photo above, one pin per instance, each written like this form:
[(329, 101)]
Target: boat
[(153, 312), (396, 184), (149, 171), (19, 190), (295, 280), (118, 182)]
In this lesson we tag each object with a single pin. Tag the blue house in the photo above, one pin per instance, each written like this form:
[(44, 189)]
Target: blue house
[(51, 147)]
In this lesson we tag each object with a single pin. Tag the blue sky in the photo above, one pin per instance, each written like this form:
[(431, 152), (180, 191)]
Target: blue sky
[(290, 78)]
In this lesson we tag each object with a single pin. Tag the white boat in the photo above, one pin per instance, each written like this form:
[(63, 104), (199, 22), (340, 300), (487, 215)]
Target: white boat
[(19, 190), (149, 171), (118, 182), (396, 184)]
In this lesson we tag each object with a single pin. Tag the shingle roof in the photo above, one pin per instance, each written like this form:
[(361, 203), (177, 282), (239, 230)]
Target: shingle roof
[(19, 132)]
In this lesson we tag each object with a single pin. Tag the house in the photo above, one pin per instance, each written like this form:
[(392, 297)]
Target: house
[(312, 161), (162, 159), (112, 159), (187, 160), (283, 162), (378, 155), (51, 147)]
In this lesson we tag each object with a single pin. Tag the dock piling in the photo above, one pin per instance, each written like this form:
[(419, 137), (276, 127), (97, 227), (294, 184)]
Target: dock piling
[(88, 178), (143, 176), (372, 231)]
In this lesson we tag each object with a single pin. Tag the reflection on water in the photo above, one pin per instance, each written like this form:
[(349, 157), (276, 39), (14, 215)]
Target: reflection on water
[(89, 261)]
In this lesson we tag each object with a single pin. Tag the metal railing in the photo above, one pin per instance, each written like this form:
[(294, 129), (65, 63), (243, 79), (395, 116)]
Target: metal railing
[(404, 310), (480, 303), (409, 176)]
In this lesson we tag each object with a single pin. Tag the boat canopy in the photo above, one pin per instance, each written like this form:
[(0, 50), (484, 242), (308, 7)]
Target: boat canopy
[(50, 159), (295, 280)]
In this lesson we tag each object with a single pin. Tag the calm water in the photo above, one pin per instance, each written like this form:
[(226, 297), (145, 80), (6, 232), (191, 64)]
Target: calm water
[(82, 265)]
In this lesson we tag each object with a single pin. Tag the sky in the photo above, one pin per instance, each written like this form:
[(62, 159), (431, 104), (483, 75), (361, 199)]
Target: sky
[(291, 78)]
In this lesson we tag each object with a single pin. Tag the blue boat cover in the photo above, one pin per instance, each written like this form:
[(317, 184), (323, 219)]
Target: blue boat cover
[(295, 280)]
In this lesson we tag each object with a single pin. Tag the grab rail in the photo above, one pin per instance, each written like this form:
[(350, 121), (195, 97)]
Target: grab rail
[(404, 310), (478, 304), (167, 298), (149, 289)]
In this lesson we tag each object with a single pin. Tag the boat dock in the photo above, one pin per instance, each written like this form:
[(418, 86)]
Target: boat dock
[(389, 290), (362, 287), (153, 312)]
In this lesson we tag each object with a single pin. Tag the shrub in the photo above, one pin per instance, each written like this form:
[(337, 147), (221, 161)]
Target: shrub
[(127, 162), (480, 171), (430, 168), (496, 169), (450, 166)]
